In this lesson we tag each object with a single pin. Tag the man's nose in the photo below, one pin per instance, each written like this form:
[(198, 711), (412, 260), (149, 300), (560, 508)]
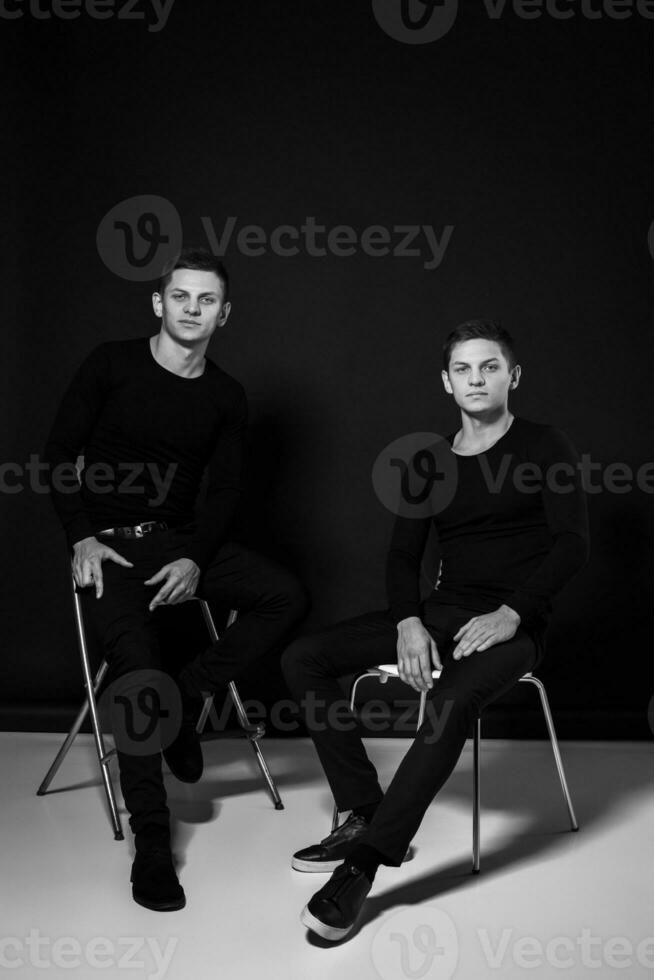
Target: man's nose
[(192, 307)]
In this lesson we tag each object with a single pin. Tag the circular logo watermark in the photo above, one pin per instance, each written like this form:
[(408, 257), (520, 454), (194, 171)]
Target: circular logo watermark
[(138, 236), (415, 21), (418, 941), (416, 475), (143, 709), (650, 714)]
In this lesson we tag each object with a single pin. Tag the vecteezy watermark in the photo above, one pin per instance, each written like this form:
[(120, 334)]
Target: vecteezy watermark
[(143, 710), (415, 21), (138, 236), (154, 12), (565, 952), (424, 21), (417, 475), (416, 942), (144, 478), (99, 953), (317, 715), (317, 240), (650, 714)]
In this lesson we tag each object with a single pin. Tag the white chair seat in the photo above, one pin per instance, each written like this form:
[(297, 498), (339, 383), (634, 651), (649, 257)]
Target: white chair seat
[(392, 671)]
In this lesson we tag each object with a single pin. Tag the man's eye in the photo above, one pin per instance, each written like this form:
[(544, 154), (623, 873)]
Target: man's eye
[(208, 300)]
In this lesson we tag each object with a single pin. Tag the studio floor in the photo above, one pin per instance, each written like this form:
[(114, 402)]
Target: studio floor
[(547, 903)]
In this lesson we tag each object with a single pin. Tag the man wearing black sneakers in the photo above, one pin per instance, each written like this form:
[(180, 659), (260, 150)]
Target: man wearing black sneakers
[(152, 416), (510, 538)]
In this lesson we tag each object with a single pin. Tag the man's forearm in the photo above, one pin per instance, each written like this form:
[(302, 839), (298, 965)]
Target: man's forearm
[(63, 481)]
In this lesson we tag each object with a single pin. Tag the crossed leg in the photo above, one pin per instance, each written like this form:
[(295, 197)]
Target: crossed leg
[(312, 666)]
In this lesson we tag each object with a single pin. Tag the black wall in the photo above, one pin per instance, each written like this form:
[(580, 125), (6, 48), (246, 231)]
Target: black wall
[(532, 138)]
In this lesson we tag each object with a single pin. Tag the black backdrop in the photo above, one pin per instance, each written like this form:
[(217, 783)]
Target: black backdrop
[(530, 137)]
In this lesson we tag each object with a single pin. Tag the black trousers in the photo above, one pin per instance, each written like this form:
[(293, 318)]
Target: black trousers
[(270, 600), (311, 666)]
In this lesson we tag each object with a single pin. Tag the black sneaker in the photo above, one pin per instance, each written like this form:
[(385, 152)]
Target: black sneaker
[(184, 755), (332, 851), (154, 881), (334, 909)]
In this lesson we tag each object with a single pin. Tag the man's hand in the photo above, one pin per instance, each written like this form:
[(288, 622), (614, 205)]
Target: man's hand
[(416, 651), (88, 555), (180, 580), (482, 632)]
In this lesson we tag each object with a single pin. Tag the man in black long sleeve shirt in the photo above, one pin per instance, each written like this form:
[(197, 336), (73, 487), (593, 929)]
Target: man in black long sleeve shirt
[(510, 535), (151, 416)]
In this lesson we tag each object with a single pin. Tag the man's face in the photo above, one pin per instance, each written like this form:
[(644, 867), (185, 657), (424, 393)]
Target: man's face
[(479, 377), (192, 306)]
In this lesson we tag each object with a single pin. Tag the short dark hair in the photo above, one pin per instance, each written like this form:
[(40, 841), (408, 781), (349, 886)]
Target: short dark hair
[(486, 330), (195, 257)]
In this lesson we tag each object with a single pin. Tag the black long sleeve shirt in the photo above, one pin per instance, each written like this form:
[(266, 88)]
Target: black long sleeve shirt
[(509, 547), (147, 436)]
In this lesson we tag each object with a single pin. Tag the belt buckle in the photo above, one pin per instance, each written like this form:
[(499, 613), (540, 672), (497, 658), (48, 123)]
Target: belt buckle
[(145, 528)]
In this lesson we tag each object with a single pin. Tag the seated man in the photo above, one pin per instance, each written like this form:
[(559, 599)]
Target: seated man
[(508, 544), (151, 415)]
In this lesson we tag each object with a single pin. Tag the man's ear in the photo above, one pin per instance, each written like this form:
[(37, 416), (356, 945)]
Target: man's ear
[(157, 304), (446, 382), (224, 313)]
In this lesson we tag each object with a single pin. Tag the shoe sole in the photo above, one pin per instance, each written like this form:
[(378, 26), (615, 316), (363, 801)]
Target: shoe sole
[(172, 906), (299, 865), (331, 933), (317, 866)]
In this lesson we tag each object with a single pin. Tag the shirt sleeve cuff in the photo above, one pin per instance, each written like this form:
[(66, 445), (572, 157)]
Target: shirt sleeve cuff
[(527, 608), (404, 610), (79, 529)]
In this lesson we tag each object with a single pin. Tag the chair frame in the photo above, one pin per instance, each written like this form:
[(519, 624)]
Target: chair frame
[(253, 732), (383, 677)]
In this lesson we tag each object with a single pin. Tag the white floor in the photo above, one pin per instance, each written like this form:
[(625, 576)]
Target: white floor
[(548, 902)]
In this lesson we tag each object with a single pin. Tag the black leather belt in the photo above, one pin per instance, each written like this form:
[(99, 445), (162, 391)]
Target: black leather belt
[(137, 531)]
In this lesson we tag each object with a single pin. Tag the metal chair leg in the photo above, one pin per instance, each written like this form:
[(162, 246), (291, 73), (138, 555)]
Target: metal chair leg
[(555, 747), (421, 709), (90, 686), (104, 757), (476, 803), (252, 732), (204, 714), (70, 738)]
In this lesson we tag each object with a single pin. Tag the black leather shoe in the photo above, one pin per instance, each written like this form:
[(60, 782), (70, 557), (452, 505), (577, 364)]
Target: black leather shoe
[(184, 755), (334, 909), (332, 851), (154, 881)]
